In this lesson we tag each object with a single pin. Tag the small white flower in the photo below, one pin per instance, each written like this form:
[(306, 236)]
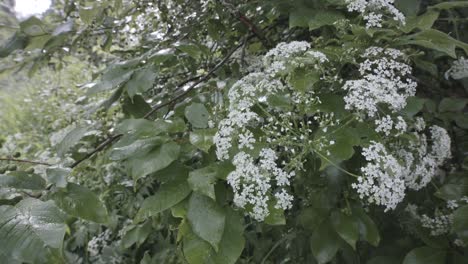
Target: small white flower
[(459, 69), (373, 11), (384, 125), (383, 82), (439, 225), (383, 182)]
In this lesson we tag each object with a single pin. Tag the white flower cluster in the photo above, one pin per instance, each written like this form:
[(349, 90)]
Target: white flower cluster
[(386, 124), (383, 82), (277, 59), (242, 96), (454, 204), (421, 163), (459, 242), (373, 11), (98, 242), (284, 51), (441, 222), (133, 27), (257, 177), (459, 69), (251, 182), (383, 182), (390, 172)]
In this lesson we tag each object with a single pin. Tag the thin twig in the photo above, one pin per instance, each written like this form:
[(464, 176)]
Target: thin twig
[(201, 79), (26, 161), (247, 22), (276, 245), (101, 146), (194, 85)]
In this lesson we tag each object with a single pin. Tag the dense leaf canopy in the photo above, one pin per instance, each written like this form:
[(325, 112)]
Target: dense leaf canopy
[(222, 131)]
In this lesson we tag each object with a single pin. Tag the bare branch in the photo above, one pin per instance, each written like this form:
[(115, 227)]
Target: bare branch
[(26, 161), (247, 22), (101, 146), (191, 87), (199, 79)]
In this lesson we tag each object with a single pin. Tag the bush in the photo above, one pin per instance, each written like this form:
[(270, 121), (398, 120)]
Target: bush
[(211, 132)]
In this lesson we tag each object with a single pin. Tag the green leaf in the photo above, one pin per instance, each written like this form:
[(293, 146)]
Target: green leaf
[(22, 180), (128, 147), (88, 13), (201, 209), (302, 16), (462, 120), (423, 22), (450, 5), (424, 235), (180, 210), (156, 160), (55, 42), (192, 50), (427, 66), (63, 28), (279, 101), (81, 202), (203, 180), (197, 115), (107, 104), (172, 172), (299, 17), (425, 255), (224, 168), (161, 56), (330, 103), (303, 79), (367, 228), (413, 106), (58, 176), (347, 227), (452, 104), (408, 7), (136, 235), (71, 139), (453, 190), (33, 27), (175, 125), (232, 243), (196, 250), (138, 127), (435, 40), (142, 80), (276, 216), (339, 145), (460, 223), (37, 42), (323, 18), (168, 195), (31, 231), (114, 76), (203, 138), (17, 41), (311, 217), (324, 243), (146, 259), (135, 107)]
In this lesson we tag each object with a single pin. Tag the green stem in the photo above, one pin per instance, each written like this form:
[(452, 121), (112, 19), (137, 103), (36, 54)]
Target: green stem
[(455, 24), (335, 165), (273, 248)]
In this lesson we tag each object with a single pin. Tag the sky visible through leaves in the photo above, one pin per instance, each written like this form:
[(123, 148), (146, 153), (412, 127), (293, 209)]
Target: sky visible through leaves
[(26, 8)]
